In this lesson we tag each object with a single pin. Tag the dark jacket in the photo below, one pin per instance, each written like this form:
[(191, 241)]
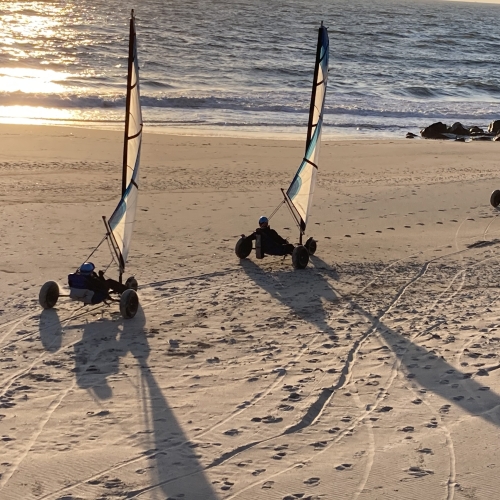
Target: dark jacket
[(87, 281), (269, 234), (271, 242)]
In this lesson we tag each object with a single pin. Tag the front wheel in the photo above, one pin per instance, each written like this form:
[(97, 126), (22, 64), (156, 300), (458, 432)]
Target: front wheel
[(243, 248), (49, 293), (300, 257), (495, 198), (132, 283), (311, 246), (129, 303)]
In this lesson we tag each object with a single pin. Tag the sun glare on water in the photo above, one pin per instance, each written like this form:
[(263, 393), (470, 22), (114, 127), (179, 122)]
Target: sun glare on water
[(36, 47), (31, 80)]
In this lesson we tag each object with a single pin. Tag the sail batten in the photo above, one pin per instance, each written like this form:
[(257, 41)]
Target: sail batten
[(301, 189), (122, 220)]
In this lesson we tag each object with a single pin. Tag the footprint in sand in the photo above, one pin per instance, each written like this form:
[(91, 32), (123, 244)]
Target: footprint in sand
[(378, 231), (347, 235), (438, 222), (384, 409), (391, 228), (281, 447), (343, 466), (232, 432), (427, 451), (420, 224), (267, 485), (312, 481), (227, 485), (279, 455), (258, 471), (319, 444)]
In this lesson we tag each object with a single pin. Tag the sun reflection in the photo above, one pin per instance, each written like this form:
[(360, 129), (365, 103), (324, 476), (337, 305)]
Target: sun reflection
[(31, 80), (34, 31), (34, 114)]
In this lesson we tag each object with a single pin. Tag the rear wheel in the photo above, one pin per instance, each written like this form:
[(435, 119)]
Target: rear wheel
[(132, 283), (243, 248), (311, 246), (495, 198), (49, 293), (300, 257), (129, 303)]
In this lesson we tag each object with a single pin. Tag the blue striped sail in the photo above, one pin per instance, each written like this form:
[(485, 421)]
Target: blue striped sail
[(301, 189), (122, 221)]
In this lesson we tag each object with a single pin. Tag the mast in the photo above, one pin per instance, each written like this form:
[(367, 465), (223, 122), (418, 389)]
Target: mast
[(301, 189), (127, 105), (120, 225), (314, 86)]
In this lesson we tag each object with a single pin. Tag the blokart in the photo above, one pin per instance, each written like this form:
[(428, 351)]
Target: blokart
[(120, 225), (298, 196)]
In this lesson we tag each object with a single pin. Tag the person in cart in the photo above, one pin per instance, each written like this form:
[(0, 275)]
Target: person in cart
[(91, 288), (271, 242)]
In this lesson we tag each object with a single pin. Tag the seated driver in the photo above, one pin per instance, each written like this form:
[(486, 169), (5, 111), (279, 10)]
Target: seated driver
[(272, 243), (88, 287)]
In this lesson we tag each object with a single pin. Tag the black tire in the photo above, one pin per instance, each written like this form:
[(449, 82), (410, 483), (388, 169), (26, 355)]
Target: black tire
[(300, 257), (49, 293), (311, 246), (243, 248), (129, 303), (132, 283), (495, 198)]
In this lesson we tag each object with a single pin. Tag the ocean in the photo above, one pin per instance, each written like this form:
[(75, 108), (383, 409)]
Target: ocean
[(244, 68)]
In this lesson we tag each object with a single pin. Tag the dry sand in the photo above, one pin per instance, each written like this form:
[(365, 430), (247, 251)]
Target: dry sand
[(372, 374)]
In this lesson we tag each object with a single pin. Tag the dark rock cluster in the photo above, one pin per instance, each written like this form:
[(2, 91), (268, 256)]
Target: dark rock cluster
[(457, 132)]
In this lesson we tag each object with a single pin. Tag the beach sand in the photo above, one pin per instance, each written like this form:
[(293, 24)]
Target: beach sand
[(374, 373)]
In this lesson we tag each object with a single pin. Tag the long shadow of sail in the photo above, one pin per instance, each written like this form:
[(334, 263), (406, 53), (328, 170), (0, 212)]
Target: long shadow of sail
[(424, 367), (433, 373), (178, 472), (305, 292)]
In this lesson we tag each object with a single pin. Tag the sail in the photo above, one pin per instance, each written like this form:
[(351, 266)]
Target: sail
[(301, 189), (121, 222)]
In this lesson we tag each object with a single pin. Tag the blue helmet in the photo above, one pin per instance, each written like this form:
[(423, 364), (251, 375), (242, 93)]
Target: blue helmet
[(87, 268), (263, 220)]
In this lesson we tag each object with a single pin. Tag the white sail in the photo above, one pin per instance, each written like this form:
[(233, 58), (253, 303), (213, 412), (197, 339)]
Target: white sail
[(122, 221), (302, 187)]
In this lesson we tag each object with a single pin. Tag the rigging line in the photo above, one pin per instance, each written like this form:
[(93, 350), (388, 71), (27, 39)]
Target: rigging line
[(96, 248), (109, 265), (293, 216), (275, 210), (113, 256)]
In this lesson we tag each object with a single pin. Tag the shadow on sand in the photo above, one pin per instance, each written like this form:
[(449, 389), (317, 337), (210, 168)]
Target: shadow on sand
[(431, 372), (50, 330), (304, 291), (177, 471)]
